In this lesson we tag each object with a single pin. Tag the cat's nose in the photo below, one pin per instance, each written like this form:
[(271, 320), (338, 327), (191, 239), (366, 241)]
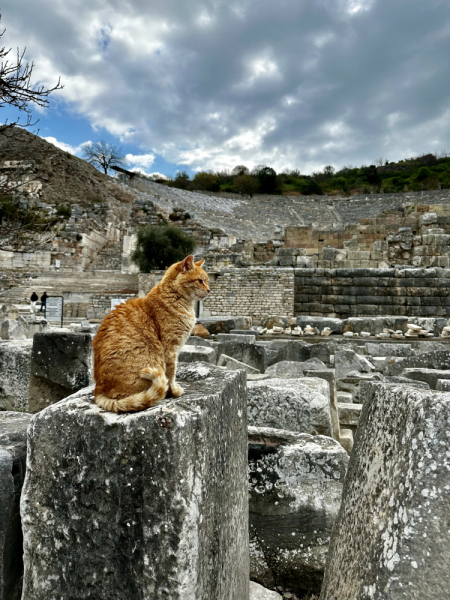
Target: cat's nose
[(208, 290)]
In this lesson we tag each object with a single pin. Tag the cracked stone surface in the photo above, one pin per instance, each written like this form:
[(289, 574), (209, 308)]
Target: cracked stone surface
[(391, 540), (295, 487), (146, 505)]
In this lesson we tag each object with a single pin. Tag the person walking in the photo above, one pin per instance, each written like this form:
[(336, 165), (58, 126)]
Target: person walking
[(43, 301), (33, 299)]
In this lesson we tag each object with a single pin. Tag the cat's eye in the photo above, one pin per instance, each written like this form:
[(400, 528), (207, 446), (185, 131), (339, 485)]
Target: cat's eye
[(200, 280)]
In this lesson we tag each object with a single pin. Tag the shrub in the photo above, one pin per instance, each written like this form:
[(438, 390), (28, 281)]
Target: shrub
[(64, 211), (159, 247)]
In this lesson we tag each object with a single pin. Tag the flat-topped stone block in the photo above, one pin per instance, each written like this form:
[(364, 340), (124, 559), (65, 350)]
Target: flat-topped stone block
[(15, 365), (391, 540), (236, 337), (190, 354), (151, 504)]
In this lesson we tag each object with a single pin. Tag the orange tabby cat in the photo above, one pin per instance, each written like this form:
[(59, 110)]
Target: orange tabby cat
[(137, 344)]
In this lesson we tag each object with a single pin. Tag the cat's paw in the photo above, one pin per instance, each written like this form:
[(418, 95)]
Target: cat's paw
[(176, 390)]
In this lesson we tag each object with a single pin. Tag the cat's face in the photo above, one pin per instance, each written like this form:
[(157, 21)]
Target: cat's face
[(192, 280)]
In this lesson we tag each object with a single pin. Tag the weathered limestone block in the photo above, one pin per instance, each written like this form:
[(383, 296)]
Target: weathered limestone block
[(258, 592), (61, 364), (190, 354), (349, 414), (288, 369), (300, 405), (386, 349), (146, 505), (15, 364), (8, 311), (13, 452), (295, 486), (232, 365), (236, 337), (250, 354), (430, 376), (420, 385), (346, 361), (375, 325), (443, 385), (390, 540), (438, 359), (13, 329), (194, 340)]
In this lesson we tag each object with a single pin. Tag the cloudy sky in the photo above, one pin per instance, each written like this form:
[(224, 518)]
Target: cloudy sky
[(209, 84)]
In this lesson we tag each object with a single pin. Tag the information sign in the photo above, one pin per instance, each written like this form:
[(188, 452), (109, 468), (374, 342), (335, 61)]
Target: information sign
[(54, 309)]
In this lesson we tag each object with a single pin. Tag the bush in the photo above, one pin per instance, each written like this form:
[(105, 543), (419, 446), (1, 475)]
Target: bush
[(64, 211), (160, 247)]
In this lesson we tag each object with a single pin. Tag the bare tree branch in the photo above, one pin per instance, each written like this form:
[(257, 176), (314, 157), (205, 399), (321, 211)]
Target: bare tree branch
[(103, 155), (16, 89)]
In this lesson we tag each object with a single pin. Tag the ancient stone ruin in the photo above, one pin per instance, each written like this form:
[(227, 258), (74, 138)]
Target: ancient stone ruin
[(309, 456)]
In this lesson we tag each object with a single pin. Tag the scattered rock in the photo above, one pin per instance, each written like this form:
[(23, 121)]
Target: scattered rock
[(287, 369), (258, 592), (189, 354)]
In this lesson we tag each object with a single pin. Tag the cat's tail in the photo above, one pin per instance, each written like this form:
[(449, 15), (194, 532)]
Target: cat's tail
[(141, 400)]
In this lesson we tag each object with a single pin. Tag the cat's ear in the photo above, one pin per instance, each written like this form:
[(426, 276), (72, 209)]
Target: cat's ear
[(200, 262), (187, 264)]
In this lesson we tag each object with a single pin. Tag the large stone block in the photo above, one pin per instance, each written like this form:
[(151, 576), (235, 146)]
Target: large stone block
[(374, 325), (288, 369), (13, 329), (295, 485), (391, 539), (250, 354), (61, 364), (387, 349), (13, 451), (300, 405), (190, 354), (237, 337), (347, 361), (430, 376), (15, 364), (146, 505), (438, 359)]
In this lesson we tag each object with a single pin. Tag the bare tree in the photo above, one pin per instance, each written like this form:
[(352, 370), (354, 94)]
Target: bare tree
[(16, 89), (103, 155)]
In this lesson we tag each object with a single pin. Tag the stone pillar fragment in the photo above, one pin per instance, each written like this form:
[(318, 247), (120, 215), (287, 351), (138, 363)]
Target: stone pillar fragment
[(146, 505), (391, 540)]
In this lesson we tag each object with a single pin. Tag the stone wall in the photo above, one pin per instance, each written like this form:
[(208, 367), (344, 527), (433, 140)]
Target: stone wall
[(358, 292), (254, 292), (100, 304)]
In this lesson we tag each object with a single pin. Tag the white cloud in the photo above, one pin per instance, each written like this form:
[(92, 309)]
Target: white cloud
[(66, 147), (215, 84), (140, 160)]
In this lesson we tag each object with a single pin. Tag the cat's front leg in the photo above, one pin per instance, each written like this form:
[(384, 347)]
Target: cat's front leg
[(171, 368)]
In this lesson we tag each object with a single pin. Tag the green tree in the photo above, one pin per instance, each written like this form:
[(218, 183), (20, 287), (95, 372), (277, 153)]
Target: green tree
[(160, 247), (267, 178), (206, 182), (245, 184), (181, 181)]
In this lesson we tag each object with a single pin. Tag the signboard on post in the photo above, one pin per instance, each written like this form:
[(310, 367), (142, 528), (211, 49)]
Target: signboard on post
[(54, 309)]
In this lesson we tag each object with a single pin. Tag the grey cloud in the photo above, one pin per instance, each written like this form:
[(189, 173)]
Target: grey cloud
[(375, 83)]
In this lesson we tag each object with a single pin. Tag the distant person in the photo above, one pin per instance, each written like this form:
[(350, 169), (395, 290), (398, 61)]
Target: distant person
[(33, 299), (43, 301)]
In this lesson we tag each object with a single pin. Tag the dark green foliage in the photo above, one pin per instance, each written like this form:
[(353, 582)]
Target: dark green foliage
[(64, 211), (267, 178), (245, 184), (160, 247)]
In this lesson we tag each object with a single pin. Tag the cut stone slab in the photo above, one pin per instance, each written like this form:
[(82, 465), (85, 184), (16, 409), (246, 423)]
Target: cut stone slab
[(61, 364), (430, 376), (250, 354), (295, 487), (375, 325), (198, 341), (287, 369), (389, 540), (13, 452), (237, 337), (336, 325), (190, 354), (439, 359), (232, 365), (292, 350), (244, 332), (353, 381), (300, 405), (346, 361), (15, 365), (349, 414), (384, 349), (258, 592), (151, 504), (344, 397)]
